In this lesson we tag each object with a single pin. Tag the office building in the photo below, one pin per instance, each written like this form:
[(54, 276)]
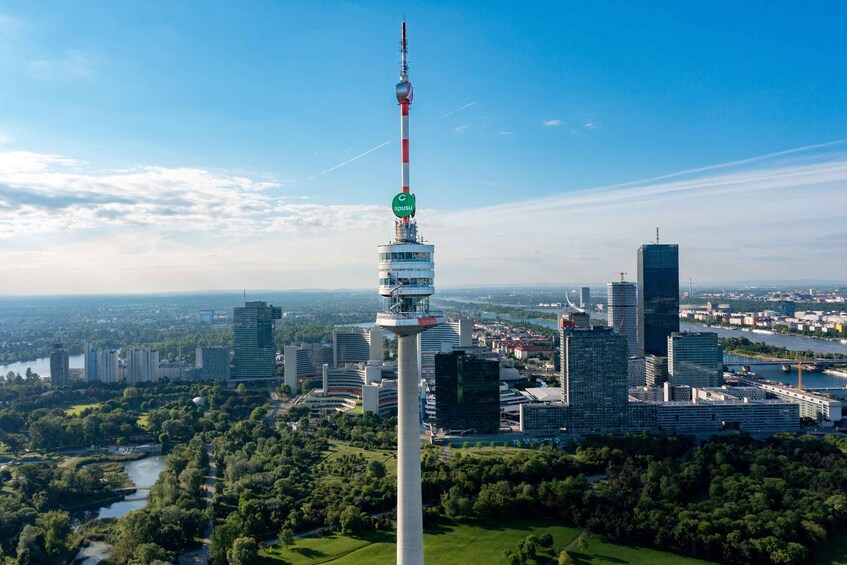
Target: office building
[(142, 366), (623, 312), (763, 416), (212, 362), (305, 360), (467, 393), (658, 297), (571, 317), (59, 366), (695, 359), (585, 298), (357, 345), (594, 378), (655, 370), (255, 353), (812, 405), (443, 338)]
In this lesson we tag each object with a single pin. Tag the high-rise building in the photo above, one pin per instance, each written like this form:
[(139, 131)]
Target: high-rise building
[(695, 359), (255, 353), (443, 338), (59, 365), (467, 393), (585, 298), (623, 312), (212, 362), (594, 378), (406, 281), (658, 297), (142, 366), (357, 345), (89, 362), (573, 318), (106, 370)]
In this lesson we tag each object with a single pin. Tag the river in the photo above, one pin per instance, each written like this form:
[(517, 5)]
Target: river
[(40, 366), (143, 473)]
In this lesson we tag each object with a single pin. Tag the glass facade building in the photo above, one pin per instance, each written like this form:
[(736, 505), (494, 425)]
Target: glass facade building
[(594, 378), (255, 353), (467, 393), (658, 297), (695, 359)]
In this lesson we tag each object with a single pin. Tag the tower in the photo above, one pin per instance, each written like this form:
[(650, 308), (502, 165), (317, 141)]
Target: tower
[(622, 299), (658, 297), (406, 279)]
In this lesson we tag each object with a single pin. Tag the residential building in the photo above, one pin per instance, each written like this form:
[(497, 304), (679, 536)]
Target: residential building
[(59, 365), (106, 365), (658, 297), (142, 366), (594, 378)]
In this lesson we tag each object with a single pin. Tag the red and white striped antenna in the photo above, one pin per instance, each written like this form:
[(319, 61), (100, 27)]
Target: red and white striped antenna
[(404, 99)]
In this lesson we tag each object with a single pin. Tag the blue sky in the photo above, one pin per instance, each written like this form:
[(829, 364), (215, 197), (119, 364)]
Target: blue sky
[(215, 111)]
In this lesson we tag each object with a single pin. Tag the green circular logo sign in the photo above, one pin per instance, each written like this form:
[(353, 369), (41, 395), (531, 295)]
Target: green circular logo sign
[(403, 205)]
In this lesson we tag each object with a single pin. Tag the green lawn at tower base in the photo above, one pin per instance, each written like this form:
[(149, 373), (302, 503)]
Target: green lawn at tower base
[(462, 542)]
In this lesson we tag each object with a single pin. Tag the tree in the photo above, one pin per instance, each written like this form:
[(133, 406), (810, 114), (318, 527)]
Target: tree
[(241, 389), (564, 558), (148, 553), (352, 520), (286, 537), (131, 393), (56, 527), (244, 551), (376, 468), (222, 538)]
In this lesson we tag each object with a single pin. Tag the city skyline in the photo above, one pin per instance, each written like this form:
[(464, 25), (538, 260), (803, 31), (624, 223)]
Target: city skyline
[(753, 171)]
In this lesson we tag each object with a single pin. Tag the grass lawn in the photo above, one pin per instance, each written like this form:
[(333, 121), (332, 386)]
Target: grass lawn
[(389, 458), (77, 409), (460, 543), (488, 451), (142, 421)]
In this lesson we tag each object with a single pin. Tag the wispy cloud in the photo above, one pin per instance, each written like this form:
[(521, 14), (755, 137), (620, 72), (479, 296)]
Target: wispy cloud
[(468, 105), (460, 129), (73, 63), (505, 132), (589, 125), (552, 123)]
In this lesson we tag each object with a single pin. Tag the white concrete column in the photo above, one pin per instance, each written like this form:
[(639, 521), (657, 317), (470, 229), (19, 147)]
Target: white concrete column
[(409, 505)]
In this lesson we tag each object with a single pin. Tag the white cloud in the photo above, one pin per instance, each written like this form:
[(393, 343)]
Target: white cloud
[(460, 129), (552, 123), (69, 228), (589, 125), (73, 63), (5, 138), (505, 132)]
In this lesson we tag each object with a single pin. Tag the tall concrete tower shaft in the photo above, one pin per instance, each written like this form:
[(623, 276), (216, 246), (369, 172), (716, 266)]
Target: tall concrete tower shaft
[(406, 281)]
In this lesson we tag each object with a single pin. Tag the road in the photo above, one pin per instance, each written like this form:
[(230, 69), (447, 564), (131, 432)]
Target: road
[(201, 556)]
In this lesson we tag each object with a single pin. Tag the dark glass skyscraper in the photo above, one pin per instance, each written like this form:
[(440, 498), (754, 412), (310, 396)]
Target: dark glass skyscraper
[(658, 297), (255, 353), (467, 393)]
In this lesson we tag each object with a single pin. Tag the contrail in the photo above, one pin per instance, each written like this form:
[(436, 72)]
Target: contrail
[(457, 110), (339, 165), (723, 165)]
